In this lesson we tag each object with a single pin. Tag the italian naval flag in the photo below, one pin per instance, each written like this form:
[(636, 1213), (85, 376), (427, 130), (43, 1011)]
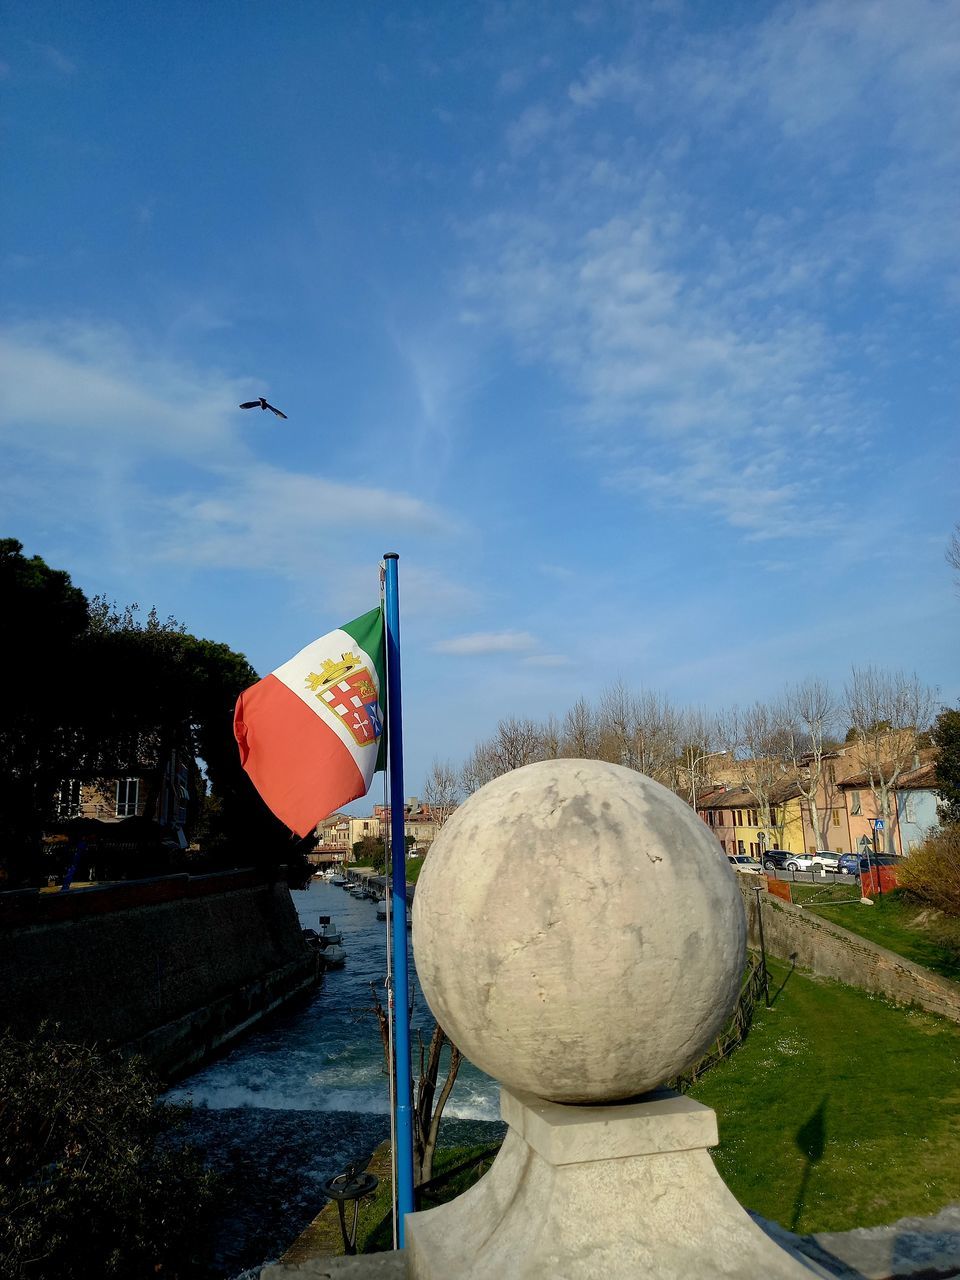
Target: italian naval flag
[(311, 733)]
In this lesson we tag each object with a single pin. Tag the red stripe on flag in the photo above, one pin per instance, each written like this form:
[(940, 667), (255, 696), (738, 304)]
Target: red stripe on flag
[(296, 761)]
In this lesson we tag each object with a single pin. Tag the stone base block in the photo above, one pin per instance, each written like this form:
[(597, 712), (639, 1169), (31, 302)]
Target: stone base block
[(627, 1190)]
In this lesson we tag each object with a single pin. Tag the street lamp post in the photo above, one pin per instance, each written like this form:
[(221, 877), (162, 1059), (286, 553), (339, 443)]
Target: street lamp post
[(693, 774), (757, 889)]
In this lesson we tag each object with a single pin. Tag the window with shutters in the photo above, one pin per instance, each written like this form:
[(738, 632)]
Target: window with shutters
[(128, 794)]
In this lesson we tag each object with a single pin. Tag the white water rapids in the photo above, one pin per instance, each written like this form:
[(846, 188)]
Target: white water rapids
[(296, 1102)]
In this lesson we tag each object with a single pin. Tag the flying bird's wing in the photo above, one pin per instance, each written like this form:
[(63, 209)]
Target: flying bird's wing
[(250, 404), (276, 411)]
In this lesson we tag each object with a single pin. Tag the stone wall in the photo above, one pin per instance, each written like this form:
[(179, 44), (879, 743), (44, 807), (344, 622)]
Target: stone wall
[(831, 951), (172, 967)]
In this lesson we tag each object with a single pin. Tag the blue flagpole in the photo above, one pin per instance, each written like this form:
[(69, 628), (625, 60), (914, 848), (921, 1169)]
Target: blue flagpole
[(403, 1155)]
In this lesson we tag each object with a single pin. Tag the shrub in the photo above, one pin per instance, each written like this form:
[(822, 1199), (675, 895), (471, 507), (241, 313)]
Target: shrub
[(931, 874), (91, 1181)]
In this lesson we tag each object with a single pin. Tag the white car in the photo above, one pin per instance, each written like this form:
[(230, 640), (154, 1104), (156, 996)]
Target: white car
[(822, 860), (741, 862)]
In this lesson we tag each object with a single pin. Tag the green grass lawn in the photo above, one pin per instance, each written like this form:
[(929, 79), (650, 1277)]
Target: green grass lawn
[(375, 1225), (892, 922), (413, 869), (839, 1110)]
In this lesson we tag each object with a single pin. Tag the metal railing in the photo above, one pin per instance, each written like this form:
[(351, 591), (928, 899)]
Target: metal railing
[(751, 990)]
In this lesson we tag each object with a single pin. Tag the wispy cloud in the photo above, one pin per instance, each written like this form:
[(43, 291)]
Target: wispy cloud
[(150, 457), (706, 339), (547, 660), (483, 642), (56, 59), (530, 128), (678, 387)]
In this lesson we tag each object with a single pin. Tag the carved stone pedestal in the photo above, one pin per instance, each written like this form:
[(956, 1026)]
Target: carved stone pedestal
[(588, 1192)]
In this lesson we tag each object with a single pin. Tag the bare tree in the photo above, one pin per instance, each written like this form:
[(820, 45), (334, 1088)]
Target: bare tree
[(427, 1105), (698, 740), (658, 736), (617, 727), (757, 742), (810, 713), (580, 737), (953, 551), (550, 738), (480, 767), (516, 743), (442, 791), (887, 712)]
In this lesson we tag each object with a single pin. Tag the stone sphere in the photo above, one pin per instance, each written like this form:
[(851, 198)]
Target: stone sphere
[(578, 932)]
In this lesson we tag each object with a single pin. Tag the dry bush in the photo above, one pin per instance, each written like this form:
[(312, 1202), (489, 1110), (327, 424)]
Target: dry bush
[(931, 874), (93, 1184)]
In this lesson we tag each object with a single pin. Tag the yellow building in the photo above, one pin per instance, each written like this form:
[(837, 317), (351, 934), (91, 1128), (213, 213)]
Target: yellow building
[(790, 820), (733, 815)]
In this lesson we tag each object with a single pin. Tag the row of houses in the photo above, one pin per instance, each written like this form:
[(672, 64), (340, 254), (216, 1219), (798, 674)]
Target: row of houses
[(845, 801), (846, 804), (337, 835)]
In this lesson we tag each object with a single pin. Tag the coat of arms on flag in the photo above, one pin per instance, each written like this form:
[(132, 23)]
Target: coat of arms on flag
[(311, 733), (348, 690)]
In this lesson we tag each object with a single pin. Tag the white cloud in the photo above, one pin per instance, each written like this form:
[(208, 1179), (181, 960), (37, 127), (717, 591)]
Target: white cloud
[(56, 59), (531, 127), (603, 81), (76, 388), (483, 642), (706, 226), (680, 387), (150, 459), (259, 517)]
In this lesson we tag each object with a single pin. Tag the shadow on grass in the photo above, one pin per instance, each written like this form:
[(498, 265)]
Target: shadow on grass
[(775, 995), (811, 1139)]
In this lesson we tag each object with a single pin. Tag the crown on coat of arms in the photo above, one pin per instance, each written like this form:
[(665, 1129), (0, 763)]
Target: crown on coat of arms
[(331, 672)]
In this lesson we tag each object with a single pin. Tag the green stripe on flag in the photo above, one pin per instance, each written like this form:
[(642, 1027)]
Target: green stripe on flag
[(368, 631)]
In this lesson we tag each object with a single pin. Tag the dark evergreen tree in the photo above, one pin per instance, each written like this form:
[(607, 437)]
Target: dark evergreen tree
[(946, 738), (96, 692), (43, 620)]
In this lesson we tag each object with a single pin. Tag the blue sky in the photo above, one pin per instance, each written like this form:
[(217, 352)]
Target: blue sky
[(631, 327)]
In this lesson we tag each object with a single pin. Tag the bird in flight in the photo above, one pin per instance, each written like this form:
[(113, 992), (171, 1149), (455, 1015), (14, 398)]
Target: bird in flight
[(260, 403)]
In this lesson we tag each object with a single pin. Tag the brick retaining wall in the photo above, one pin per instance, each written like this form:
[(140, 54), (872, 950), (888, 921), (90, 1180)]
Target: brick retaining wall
[(831, 951), (171, 967)]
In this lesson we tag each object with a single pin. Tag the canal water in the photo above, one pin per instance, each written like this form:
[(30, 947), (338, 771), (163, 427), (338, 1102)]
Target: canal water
[(296, 1102)]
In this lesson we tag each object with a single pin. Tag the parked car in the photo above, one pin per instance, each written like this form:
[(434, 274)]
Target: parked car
[(851, 864), (776, 859), (820, 861), (742, 862)]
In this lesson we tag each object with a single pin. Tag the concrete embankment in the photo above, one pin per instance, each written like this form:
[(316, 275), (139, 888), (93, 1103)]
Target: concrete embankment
[(172, 968), (370, 880)]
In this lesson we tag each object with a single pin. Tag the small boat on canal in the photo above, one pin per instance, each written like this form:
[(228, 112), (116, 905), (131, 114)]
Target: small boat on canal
[(333, 956), (329, 933)]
